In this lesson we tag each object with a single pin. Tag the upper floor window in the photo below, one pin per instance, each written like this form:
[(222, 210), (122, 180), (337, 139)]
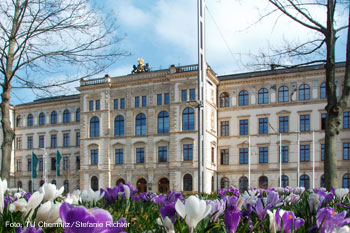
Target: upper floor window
[(243, 127), (192, 94), (285, 153), (323, 93), (77, 115), (116, 104), (53, 142), (140, 155), (30, 142), (159, 99), (188, 152), (224, 100), (54, 117), (30, 120), (141, 124), (66, 116), (304, 153), (77, 139), (283, 94), (94, 156), (243, 155), (66, 139), (184, 95), (322, 151), (263, 125), (122, 103), (137, 101), (225, 159), (162, 153), (346, 151), (346, 120), (163, 122), (225, 128), (304, 123), (18, 121), (263, 155), (97, 105), (144, 101), (94, 127), (41, 141), (188, 119), (91, 105), (166, 98), (304, 92), (243, 98), (263, 96), (283, 122), (119, 156), (119, 126), (41, 118), (323, 121)]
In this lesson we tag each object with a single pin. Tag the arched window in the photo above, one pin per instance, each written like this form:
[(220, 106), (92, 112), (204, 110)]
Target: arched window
[(42, 183), (94, 127), (304, 92), (66, 186), (212, 184), (323, 93), (19, 184), (322, 182), (53, 117), (163, 122), (30, 120), (141, 185), (119, 126), (263, 96), (285, 181), (30, 186), (120, 181), (53, 182), (224, 100), (94, 183), (66, 116), (41, 118), (224, 183), (243, 184), (188, 119), (18, 121), (263, 182), (141, 124), (77, 115), (305, 181), (163, 185), (346, 181), (283, 94), (187, 182), (243, 98)]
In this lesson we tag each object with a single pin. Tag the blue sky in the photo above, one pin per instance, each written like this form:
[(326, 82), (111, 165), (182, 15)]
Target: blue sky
[(163, 32)]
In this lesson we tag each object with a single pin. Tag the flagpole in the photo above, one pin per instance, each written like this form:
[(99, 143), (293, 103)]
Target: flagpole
[(280, 160), (249, 161), (45, 166), (313, 159), (298, 149)]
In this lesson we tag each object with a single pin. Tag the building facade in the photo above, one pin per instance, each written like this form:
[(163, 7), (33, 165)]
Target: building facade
[(142, 129)]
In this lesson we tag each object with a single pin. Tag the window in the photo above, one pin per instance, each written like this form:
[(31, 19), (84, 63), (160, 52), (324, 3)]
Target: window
[(192, 94), (243, 184), (53, 142), (322, 151), (323, 93), (304, 153), (263, 155), (305, 181), (323, 121), (41, 164), (30, 142), (18, 121), (285, 154), (144, 101), (66, 139), (243, 155), (94, 127), (65, 163), (116, 104), (346, 151), (122, 103), (141, 124), (184, 95), (77, 115), (283, 94), (162, 154), (225, 159), (53, 164), (66, 116), (19, 184), (141, 185), (225, 128), (30, 186), (224, 100), (66, 186), (285, 181), (322, 182), (163, 122), (159, 99), (41, 141), (19, 165), (284, 124), (119, 154), (140, 155), (97, 105), (41, 118), (94, 156), (91, 105), (53, 117), (119, 126), (18, 143), (304, 92), (187, 182), (346, 181), (188, 119), (243, 98), (77, 162), (29, 168), (304, 123), (346, 120), (77, 139), (225, 183), (166, 98), (137, 101), (213, 155), (263, 182), (263, 126), (263, 96), (188, 152), (94, 183), (243, 127), (30, 120)]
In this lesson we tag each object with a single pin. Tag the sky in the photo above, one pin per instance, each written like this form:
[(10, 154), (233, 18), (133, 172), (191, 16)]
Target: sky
[(164, 32)]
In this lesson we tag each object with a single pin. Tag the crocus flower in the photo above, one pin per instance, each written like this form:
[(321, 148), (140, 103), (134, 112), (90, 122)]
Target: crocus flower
[(315, 201), (72, 199), (3, 187), (48, 212), (29, 230), (341, 193), (51, 192), (327, 219), (167, 224), (90, 196), (193, 211), (231, 220), (217, 208), (25, 207), (222, 191), (168, 210), (260, 210), (290, 222)]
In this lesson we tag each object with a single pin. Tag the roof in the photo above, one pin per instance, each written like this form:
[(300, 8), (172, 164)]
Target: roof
[(52, 99)]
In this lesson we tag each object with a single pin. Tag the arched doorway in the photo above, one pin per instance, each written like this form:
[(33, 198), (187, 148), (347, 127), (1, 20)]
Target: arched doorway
[(141, 185), (94, 183), (120, 181), (163, 185), (263, 182), (225, 183)]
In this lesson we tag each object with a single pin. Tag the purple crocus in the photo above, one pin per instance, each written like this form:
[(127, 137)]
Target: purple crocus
[(327, 219), (260, 210), (29, 230), (80, 220), (222, 191), (231, 220), (234, 191), (290, 222), (168, 210), (110, 194)]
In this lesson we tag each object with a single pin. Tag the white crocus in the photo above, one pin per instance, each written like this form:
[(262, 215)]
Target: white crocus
[(314, 201), (3, 187), (126, 191), (25, 207), (90, 196), (49, 212), (273, 224), (344, 229), (72, 199), (341, 193), (193, 211), (51, 192), (167, 224)]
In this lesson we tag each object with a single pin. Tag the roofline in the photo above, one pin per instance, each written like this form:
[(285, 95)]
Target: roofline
[(51, 99)]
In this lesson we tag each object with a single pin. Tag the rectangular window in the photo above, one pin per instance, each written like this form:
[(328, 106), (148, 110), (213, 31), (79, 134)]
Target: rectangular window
[(97, 107), (53, 142), (116, 104), (77, 139), (192, 94), (66, 139), (225, 159), (304, 153), (284, 124), (29, 164), (285, 152), (19, 143), (346, 151), (144, 101), (225, 128), (184, 95), (212, 155), (346, 120), (122, 103), (91, 105), (263, 155), (94, 156), (119, 154), (159, 99), (53, 164), (41, 164), (162, 154), (166, 98), (30, 142), (137, 101), (77, 162), (140, 155), (19, 165), (243, 127), (188, 152), (65, 163), (323, 121), (322, 151), (243, 155), (263, 125), (304, 123), (41, 141)]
